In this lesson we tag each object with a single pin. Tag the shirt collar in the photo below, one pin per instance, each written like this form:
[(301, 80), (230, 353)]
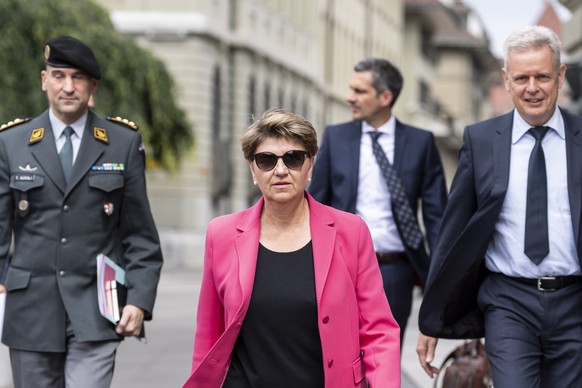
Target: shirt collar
[(388, 127), (58, 126), (520, 126)]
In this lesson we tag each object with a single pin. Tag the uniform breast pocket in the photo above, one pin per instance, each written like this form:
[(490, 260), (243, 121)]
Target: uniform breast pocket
[(106, 182), (26, 187), (26, 182), (107, 191), (17, 279)]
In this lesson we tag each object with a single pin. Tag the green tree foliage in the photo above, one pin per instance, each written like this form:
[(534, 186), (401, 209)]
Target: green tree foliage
[(134, 84)]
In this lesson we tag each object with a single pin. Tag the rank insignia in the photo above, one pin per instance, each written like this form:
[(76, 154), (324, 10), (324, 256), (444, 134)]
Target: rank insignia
[(125, 122), (12, 123), (100, 134), (36, 135)]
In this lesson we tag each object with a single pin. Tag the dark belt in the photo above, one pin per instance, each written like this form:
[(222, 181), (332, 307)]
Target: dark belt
[(550, 283), (391, 257)]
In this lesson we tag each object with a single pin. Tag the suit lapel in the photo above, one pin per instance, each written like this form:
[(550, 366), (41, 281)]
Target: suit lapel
[(89, 151), (502, 152), (323, 241), (247, 248), (399, 140), (574, 161), (247, 243), (354, 139), (45, 152)]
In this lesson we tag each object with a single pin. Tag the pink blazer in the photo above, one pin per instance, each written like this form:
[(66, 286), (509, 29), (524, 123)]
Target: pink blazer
[(359, 336)]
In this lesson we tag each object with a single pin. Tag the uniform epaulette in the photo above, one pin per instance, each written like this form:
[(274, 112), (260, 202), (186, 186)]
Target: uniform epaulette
[(125, 122), (13, 123)]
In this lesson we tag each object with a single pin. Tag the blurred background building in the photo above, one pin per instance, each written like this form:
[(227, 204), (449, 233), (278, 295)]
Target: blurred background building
[(572, 44), (232, 59)]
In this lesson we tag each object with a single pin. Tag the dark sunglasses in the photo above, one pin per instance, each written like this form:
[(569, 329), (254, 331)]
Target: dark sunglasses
[(267, 161)]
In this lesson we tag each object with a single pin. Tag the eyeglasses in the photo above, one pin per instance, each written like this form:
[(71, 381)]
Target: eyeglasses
[(267, 161)]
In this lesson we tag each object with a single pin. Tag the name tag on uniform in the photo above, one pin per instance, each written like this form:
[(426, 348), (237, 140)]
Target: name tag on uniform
[(23, 177)]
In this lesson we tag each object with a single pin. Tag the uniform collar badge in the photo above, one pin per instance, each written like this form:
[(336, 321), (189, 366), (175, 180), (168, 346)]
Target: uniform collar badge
[(36, 135), (101, 135)]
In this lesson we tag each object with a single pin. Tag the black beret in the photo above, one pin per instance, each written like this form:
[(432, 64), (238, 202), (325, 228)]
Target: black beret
[(66, 51)]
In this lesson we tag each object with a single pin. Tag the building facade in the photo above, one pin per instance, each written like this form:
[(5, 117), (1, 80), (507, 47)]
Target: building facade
[(233, 59)]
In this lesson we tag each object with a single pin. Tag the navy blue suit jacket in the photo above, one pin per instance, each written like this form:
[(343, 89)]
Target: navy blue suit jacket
[(416, 159), (449, 308)]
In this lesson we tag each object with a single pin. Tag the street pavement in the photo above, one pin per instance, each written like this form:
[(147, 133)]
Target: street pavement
[(163, 360)]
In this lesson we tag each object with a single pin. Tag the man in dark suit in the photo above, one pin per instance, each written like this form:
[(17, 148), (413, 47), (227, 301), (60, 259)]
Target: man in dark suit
[(72, 186), (348, 176), (507, 260)]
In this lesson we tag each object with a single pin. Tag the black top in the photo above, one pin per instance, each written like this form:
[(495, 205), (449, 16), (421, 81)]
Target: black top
[(279, 344)]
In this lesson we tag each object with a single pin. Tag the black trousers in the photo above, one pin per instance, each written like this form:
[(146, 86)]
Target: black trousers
[(399, 279), (533, 338)]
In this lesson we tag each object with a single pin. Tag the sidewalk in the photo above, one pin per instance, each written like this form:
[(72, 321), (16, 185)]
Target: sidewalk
[(164, 358), (411, 370)]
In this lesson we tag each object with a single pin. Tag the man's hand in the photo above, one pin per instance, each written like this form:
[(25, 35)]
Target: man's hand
[(2, 289), (425, 349), (130, 322)]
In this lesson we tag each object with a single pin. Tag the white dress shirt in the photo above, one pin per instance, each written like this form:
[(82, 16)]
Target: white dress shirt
[(58, 127), (373, 202), (505, 253)]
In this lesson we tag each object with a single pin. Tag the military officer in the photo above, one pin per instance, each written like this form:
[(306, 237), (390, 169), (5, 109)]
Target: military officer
[(72, 186)]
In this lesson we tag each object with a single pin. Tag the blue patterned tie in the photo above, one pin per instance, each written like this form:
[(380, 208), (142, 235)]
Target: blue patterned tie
[(536, 243), (66, 153), (405, 219)]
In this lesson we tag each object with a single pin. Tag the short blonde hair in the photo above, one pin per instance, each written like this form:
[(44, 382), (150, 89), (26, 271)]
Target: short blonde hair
[(280, 124)]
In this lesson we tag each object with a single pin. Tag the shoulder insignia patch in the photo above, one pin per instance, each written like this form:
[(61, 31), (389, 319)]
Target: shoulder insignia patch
[(13, 123), (125, 122), (100, 134), (36, 135)]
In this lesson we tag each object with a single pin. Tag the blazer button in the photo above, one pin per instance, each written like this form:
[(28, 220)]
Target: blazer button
[(62, 273), (330, 363), (66, 208), (325, 319), (63, 240)]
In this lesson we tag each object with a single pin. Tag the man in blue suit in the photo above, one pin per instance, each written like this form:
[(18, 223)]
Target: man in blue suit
[(495, 272), (347, 175)]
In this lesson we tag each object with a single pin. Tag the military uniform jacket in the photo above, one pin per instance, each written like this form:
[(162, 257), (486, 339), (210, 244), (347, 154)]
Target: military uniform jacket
[(59, 230)]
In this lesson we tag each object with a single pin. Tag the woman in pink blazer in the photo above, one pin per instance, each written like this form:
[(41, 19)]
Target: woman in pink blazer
[(291, 295)]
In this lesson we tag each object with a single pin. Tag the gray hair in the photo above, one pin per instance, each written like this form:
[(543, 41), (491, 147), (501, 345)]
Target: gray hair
[(532, 37)]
